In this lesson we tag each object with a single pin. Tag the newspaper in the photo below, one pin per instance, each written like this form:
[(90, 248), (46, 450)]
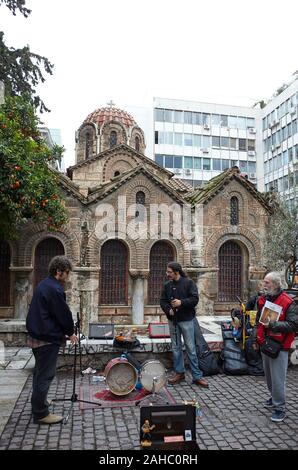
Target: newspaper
[(270, 312)]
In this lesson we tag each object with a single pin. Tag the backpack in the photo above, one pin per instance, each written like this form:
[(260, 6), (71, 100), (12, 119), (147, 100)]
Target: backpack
[(206, 359)]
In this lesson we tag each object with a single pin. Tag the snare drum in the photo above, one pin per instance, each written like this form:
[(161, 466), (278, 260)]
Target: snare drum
[(121, 376), (153, 372)]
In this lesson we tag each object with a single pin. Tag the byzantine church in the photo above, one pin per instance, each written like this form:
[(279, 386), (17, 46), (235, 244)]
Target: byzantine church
[(118, 278)]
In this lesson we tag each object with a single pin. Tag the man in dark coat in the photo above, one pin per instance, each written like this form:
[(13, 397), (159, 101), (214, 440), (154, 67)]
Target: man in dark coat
[(48, 322), (178, 300)]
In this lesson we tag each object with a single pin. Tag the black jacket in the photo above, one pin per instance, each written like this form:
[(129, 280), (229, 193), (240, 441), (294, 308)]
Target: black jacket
[(185, 290), (49, 317)]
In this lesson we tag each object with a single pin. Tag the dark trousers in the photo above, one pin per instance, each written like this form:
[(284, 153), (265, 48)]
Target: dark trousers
[(44, 372)]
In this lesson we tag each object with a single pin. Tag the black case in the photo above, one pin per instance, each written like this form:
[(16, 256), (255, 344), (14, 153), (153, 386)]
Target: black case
[(169, 421)]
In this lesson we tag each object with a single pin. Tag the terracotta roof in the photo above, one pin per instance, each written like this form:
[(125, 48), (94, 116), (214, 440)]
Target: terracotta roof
[(180, 185), (102, 115)]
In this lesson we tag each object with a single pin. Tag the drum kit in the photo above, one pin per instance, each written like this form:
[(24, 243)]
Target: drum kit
[(122, 377)]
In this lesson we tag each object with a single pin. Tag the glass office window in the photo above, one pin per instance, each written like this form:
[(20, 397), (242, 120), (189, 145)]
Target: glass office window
[(233, 143), (224, 142), (279, 160), (206, 119), (215, 141), (187, 117), (188, 141), (159, 159), (215, 120), (206, 164), (252, 167), (285, 158), (168, 115), (250, 122), (243, 166), (159, 115), (241, 122), (225, 164), (177, 162), (196, 140), (178, 117), (251, 144), (169, 138), (242, 144), (196, 118), (234, 163), (197, 163), (224, 120), (188, 162), (206, 141), (290, 154), (169, 161), (232, 121), (178, 138), (216, 164), (294, 127)]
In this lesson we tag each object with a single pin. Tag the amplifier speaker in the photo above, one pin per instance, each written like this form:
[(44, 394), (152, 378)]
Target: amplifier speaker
[(159, 330), (101, 331)]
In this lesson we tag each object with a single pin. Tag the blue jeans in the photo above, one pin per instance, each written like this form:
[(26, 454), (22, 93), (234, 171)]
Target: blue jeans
[(186, 328), (44, 372)]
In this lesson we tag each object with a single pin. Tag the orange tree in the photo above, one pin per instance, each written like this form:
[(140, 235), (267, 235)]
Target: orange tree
[(28, 186)]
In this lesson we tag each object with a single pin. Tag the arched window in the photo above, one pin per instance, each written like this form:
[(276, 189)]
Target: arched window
[(234, 211), (116, 173), (44, 253), (140, 198), (4, 274), (137, 143), (160, 255), (114, 273), (230, 272), (113, 139), (88, 143)]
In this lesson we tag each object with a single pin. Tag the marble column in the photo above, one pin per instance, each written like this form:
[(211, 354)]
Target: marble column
[(22, 290), (138, 292), (83, 297)]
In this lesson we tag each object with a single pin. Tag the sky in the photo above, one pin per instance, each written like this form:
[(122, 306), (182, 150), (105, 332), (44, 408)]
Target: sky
[(223, 51)]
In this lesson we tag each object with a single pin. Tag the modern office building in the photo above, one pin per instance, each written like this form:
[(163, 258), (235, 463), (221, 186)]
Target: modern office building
[(198, 141), (280, 144), (52, 137)]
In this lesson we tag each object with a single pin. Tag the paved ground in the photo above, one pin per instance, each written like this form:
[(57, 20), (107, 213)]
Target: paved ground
[(233, 417)]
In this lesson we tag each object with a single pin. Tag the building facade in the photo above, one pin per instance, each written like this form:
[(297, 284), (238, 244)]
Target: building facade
[(124, 214)]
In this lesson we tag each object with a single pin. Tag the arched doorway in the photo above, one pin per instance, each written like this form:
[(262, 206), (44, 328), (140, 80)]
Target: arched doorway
[(4, 274), (160, 255), (44, 253), (114, 273), (230, 276)]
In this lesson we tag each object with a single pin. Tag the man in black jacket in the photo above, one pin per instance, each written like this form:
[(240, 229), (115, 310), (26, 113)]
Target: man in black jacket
[(49, 320), (178, 300)]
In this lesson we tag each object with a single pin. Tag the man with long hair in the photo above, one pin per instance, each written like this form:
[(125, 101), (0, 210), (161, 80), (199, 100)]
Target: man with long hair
[(178, 300)]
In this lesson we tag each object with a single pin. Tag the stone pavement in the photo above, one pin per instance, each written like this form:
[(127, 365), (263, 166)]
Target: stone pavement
[(233, 416)]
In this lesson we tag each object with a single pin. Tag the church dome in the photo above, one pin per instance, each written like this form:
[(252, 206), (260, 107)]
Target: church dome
[(104, 115)]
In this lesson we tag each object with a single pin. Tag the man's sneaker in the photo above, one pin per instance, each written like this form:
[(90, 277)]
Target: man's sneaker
[(268, 403), (50, 419), (278, 416)]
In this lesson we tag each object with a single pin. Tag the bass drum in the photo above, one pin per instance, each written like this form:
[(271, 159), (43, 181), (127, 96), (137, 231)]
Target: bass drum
[(121, 376), (153, 372)]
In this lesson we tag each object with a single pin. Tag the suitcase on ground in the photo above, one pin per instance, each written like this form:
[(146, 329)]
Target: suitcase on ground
[(168, 427)]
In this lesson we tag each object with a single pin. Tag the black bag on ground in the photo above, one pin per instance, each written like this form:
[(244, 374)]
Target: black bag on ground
[(207, 361), (227, 330), (233, 356), (253, 358), (271, 347)]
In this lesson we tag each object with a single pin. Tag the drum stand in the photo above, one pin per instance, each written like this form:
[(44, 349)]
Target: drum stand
[(154, 397), (74, 397)]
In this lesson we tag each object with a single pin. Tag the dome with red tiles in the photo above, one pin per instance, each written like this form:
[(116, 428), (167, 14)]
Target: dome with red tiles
[(102, 115)]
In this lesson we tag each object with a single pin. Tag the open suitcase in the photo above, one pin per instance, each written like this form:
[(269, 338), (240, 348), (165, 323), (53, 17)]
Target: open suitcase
[(168, 427)]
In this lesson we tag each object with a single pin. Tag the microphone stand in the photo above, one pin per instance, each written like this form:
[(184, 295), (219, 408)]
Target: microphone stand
[(74, 397)]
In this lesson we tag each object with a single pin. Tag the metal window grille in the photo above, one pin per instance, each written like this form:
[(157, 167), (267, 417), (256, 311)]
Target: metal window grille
[(234, 211), (4, 274), (230, 272), (114, 273), (161, 254), (44, 253)]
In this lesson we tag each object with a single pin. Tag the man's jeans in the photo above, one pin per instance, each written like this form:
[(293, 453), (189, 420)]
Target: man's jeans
[(44, 372), (186, 328)]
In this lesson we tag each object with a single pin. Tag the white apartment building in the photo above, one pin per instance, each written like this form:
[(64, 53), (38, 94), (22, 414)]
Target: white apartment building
[(198, 141), (280, 144), (52, 137)]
